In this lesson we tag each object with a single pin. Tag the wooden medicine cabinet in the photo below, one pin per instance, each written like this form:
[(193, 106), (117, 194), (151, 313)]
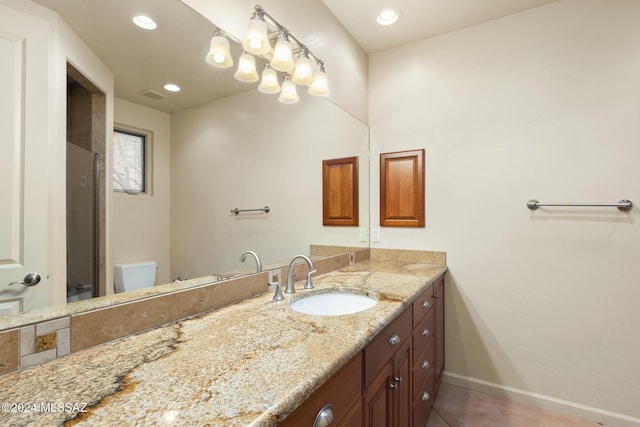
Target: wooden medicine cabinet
[(340, 191), (402, 189)]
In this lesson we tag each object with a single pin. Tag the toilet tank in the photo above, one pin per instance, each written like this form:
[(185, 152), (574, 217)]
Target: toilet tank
[(134, 275)]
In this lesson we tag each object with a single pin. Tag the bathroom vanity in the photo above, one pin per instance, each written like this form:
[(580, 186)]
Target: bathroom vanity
[(260, 363), (394, 379)]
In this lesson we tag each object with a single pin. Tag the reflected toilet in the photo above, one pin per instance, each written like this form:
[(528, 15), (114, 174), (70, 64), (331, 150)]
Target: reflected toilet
[(135, 275)]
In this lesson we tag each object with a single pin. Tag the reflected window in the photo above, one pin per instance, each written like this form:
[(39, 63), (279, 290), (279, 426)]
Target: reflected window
[(130, 161)]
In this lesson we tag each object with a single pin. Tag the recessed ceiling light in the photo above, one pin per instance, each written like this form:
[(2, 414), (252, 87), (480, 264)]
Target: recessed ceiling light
[(145, 22), (172, 88), (387, 17)]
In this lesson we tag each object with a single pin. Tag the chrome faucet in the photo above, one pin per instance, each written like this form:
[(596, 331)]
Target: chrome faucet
[(255, 255), (290, 289)]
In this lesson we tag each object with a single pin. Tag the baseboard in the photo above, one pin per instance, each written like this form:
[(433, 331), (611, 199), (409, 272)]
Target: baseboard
[(606, 418)]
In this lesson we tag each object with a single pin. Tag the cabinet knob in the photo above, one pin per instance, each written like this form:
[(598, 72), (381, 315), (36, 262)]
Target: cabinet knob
[(398, 380), (393, 386), (436, 296), (424, 304), (425, 364), (324, 417), (425, 396), (395, 339), (425, 332)]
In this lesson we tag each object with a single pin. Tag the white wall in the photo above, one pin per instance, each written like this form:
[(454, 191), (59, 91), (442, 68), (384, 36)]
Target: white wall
[(542, 306), (140, 223), (248, 151)]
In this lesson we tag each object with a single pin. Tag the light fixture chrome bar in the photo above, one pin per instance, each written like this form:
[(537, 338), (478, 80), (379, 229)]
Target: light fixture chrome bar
[(221, 32), (260, 11), (623, 205)]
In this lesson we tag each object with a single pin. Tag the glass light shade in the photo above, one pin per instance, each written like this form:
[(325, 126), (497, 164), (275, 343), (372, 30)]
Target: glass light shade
[(257, 39), (246, 71), (269, 82), (282, 56), (320, 85), (219, 53), (303, 74), (289, 94)]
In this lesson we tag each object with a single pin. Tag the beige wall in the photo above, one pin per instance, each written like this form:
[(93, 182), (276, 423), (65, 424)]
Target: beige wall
[(140, 223), (542, 306), (248, 151)]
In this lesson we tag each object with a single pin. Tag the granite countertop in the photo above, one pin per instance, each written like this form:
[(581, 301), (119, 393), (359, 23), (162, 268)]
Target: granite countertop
[(251, 363)]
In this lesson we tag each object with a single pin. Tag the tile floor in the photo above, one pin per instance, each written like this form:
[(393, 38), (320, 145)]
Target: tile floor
[(460, 407)]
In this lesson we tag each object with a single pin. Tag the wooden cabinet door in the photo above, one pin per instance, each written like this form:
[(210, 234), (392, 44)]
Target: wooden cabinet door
[(378, 399), (402, 393)]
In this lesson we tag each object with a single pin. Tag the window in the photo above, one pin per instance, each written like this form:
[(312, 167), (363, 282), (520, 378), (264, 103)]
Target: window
[(130, 156)]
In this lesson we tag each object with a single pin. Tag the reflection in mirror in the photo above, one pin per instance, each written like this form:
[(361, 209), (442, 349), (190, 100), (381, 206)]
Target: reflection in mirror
[(217, 145)]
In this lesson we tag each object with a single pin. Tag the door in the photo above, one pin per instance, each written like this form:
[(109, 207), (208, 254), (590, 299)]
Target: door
[(24, 100)]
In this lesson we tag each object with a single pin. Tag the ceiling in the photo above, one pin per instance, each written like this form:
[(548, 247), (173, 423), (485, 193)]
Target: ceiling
[(147, 60), (419, 19), (183, 37)]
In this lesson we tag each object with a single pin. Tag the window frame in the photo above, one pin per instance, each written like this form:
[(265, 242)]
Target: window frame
[(147, 164)]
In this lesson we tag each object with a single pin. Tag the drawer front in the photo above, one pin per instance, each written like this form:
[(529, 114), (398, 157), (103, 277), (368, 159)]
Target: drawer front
[(385, 344), (422, 368), (343, 390), (354, 416), (422, 404), (423, 333), (422, 305)]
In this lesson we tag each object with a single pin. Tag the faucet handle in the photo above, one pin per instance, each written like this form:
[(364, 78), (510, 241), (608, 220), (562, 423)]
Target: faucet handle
[(278, 295), (309, 285)]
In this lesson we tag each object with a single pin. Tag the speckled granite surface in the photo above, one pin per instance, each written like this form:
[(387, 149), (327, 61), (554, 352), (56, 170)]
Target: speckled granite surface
[(251, 363)]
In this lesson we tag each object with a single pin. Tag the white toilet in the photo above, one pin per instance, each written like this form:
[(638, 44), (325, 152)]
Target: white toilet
[(134, 275)]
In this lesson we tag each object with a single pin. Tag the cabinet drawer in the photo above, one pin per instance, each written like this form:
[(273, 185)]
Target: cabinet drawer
[(342, 390), (422, 305), (422, 403), (423, 333), (385, 344), (422, 368), (354, 416)]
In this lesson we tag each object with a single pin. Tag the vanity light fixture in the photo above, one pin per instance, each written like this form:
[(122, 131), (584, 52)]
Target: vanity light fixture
[(269, 82), (283, 55), (261, 32), (145, 22), (289, 94), (319, 86), (246, 71), (257, 38), (303, 74), (219, 51), (387, 17)]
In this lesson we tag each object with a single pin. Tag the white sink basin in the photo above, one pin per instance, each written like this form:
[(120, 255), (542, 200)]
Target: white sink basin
[(333, 303)]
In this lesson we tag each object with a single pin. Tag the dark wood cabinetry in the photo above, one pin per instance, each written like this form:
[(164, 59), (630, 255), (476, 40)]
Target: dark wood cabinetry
[(387, 375), (438, 295), (423, 356), (394, 380), (343, 391)]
